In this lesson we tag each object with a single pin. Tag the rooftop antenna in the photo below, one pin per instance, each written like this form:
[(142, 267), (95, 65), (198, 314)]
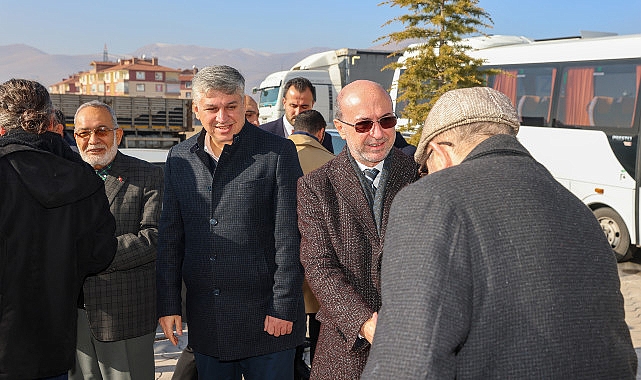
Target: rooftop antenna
[(105, 54)]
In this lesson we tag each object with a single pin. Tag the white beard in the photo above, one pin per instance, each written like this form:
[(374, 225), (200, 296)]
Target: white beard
[(103, 160)]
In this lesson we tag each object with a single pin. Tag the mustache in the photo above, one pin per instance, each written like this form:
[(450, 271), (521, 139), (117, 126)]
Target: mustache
[(99, 146)]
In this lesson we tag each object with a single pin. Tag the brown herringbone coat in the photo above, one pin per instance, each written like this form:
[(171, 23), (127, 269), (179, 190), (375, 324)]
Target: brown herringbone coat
[(341, 252)]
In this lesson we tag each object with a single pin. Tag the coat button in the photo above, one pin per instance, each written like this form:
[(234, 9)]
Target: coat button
[(213, 221), (216, 292)]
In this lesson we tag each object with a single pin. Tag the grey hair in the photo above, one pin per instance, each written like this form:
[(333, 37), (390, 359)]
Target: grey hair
[(25, 104), (467, 136), (97, 104), (221, 78), (338, 113)]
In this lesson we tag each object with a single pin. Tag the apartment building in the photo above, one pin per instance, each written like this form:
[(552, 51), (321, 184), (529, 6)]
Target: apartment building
[(70, 85), (129, 77)]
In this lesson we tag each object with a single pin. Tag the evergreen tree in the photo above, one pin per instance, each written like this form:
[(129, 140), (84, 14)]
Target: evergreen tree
[(438, 63)]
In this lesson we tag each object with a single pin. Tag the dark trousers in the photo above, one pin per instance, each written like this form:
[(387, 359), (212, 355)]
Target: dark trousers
[(275, 366), (186, 366), (59, 377), (313, 330)]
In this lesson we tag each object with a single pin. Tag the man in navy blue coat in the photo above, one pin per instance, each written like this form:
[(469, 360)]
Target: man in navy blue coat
[(229, 230), (300, 95)]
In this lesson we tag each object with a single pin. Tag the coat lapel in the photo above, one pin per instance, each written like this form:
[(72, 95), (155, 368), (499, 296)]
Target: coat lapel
[(347, 186), (395, 182), (116, 178)]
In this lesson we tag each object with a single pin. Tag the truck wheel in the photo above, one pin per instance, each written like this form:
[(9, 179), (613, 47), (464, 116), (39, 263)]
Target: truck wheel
[(616, 232)]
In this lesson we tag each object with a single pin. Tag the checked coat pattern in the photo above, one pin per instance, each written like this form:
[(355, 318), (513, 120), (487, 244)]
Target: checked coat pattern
[(121, 301)]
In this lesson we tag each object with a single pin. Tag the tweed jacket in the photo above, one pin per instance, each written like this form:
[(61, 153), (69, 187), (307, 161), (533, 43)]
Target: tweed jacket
[(341, 252), (55, 229), (277, 127), (229, 231), (120, 302), (311, 155), (494, 270)]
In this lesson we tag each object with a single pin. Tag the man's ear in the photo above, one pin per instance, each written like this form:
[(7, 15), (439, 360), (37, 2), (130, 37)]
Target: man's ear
[(441, 157), (339, 127), (59, 129), (320, 135), (119, 134)]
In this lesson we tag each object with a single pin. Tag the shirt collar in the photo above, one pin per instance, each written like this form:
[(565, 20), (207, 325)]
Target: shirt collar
[(306, 134), (104, 171), (288, 127), (378, 166)]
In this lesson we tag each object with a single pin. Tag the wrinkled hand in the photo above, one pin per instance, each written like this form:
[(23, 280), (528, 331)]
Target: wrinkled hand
[(369, 327), (168, 323), (277, 327)]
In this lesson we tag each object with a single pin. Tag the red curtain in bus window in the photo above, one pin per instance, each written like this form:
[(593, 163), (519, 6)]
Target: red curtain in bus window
[(579, 91), (506, 83)]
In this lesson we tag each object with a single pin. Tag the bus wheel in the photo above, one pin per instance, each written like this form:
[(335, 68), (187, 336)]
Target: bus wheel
[(616, 232)]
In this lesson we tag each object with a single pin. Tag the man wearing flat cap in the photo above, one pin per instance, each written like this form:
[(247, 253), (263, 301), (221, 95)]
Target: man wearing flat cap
[(491, 268)]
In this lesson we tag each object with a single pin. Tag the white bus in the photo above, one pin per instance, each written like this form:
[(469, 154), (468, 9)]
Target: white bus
[(578, 99)]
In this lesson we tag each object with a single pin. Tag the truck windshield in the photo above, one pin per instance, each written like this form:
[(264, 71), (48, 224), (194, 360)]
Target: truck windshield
[(268, 96)]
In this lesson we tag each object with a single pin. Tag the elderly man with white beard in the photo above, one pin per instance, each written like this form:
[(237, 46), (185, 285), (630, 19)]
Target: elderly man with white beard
[(117, 312)]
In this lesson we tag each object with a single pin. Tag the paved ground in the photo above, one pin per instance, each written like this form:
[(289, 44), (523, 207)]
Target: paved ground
[(629, 273), (167, 354)]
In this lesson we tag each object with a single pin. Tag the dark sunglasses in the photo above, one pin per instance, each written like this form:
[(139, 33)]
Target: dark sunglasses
[(364, 126)]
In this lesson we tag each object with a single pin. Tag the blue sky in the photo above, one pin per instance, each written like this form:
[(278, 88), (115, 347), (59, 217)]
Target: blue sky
[(80, 27)]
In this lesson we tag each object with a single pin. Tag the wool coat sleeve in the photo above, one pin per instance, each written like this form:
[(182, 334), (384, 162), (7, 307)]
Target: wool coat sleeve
[(171, 244), (99, 245), (342, 305), (426, 289), (288, 276), (139, 235)]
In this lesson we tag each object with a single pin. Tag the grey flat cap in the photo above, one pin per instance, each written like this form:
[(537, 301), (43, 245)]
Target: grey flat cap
[(465, 106)]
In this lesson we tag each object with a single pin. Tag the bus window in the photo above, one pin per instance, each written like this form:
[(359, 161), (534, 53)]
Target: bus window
[(602, 95), (530, 89)]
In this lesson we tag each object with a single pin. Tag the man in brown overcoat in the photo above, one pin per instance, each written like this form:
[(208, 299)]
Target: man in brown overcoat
[(343, 208)]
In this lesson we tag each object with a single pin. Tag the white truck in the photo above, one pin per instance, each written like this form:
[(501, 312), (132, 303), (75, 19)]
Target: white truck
[(328, 71)]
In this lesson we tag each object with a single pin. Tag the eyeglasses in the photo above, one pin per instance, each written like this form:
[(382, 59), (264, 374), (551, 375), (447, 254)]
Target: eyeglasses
[(100, 132), (364, 126), (422, 170)]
